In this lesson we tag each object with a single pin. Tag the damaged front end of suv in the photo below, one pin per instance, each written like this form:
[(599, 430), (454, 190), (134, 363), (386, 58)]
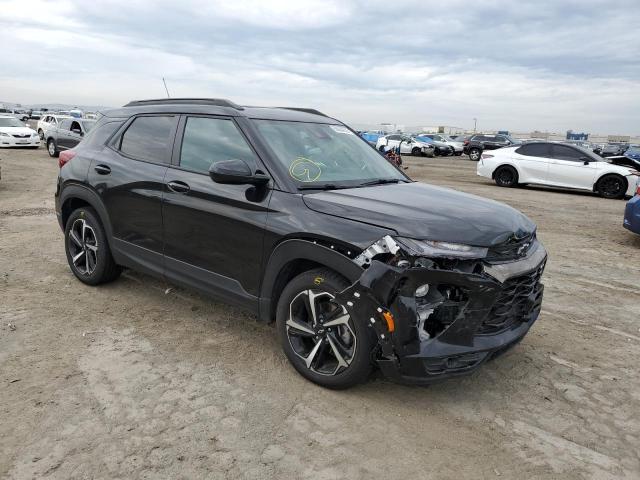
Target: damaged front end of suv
[(442, 309)]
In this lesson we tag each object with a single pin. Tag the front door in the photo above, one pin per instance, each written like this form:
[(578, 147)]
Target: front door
[(213, 232), (568, 169)]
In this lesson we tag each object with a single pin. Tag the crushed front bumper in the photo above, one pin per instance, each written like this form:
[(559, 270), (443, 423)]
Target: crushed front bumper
[(493, 309)]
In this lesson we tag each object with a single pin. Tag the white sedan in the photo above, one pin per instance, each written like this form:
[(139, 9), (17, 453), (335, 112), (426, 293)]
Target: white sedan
[(14, 133), (558, 165), (408, 145)]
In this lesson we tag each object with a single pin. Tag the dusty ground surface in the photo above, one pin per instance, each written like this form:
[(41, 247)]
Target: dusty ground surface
[(127, 381)]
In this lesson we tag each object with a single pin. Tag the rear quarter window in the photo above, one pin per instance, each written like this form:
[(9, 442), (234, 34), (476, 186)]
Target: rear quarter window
[(149, 138)]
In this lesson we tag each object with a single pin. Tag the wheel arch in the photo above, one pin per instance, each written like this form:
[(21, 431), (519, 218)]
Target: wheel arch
[(293, 257), (77, 196), (505, 164), (609, 172)]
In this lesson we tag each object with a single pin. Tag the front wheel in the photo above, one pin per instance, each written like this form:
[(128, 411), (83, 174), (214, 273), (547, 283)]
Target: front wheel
[(612, 186), (319, 337), (52, 148), (416, 152)]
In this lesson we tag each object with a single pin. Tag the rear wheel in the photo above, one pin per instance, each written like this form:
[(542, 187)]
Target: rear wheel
[(52, 148), (612, 186), (416, 151), (475, 153), (87, 250), (506, 176), (321, 340)]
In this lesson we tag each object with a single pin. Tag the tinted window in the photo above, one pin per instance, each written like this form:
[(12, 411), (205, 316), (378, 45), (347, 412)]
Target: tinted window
[(394, 137), (99, 135), (535, 150), (75, 126), (210, 140), (562, 152), (149, 138)]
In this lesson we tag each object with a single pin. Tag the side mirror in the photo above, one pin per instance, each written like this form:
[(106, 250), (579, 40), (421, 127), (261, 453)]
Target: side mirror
[(586, 160), (236, 172)]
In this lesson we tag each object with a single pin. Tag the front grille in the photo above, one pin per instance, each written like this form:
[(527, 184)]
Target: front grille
[(519, 297), (17, 135), (512, 249)]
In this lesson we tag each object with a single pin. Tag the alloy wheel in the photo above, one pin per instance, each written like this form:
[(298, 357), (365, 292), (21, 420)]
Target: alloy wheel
[(612, 186), (83, 247), (320, 332), (474, 154), (52, 148), (505, 177)]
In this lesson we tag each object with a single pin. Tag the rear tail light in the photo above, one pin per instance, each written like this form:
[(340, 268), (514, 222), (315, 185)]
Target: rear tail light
[(65, 157)]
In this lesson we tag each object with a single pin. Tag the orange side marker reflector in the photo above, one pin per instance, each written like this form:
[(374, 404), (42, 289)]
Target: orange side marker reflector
[(391, 325)]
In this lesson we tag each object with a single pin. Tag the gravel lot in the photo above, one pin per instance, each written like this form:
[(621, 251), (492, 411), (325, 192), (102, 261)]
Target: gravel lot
[(136, 380)]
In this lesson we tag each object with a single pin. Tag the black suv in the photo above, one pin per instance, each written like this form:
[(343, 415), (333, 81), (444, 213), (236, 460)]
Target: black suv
[(475, 144), (290, 214)]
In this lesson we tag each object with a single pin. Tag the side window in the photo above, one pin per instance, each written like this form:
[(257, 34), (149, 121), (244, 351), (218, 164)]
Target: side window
[(65, 124), (149, 139), (394, 137), (210, 140), (562, 152), (535, 150), (75, 126), (500, 138)]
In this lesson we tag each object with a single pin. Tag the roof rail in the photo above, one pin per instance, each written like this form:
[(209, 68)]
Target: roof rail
[(218, 102), (305, 110)]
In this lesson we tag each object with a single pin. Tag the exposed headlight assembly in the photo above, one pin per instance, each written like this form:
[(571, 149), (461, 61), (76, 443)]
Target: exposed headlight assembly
[(435, 249)]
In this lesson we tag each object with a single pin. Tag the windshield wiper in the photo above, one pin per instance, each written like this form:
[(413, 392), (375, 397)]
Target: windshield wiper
[(381, 181), (322, 186)]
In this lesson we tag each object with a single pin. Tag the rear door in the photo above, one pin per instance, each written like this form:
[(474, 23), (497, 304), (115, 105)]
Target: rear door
[(74, 134), (567, 168), (61, 133), (213, 232), (533, 162), (129, 176)]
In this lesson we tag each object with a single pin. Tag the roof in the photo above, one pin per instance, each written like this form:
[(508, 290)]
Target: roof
[(217, 106)]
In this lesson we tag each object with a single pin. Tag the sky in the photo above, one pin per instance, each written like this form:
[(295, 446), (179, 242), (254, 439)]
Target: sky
[(549, 65)]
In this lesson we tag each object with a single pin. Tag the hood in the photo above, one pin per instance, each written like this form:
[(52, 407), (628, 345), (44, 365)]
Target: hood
[(17, 130), (422, 211), (626, 161)]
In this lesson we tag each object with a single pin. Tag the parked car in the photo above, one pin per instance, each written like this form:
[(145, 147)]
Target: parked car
[(608, 150), (370, 137), (406, 144), (35, 114), (445, 139), (289, 214), (440, 148), (18, 113), (557, 165), (67, 134), (476, 144), (633, 153), (632, 212), (49, 121), (14, 133)]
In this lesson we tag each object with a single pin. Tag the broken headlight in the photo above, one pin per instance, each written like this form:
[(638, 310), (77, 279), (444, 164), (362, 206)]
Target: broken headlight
[(434, 249)]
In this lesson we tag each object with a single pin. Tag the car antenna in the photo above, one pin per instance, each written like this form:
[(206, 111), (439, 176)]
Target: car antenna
[(165, 87)]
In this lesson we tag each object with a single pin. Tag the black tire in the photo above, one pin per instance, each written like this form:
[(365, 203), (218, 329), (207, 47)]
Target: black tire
[(41, 134), (52, 148), (475, 154), (458, 154), (416, 151), (381, 148), (612, 186), (96, 266), (323, 283), (506, 176)]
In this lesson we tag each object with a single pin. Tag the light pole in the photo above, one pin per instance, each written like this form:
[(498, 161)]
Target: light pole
[(475, 124)]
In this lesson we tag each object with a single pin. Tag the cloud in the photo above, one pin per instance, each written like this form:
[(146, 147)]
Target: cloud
[(513, 65)]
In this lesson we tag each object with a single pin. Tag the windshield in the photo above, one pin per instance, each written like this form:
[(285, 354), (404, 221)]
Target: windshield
[(10, 122), (331, 155)]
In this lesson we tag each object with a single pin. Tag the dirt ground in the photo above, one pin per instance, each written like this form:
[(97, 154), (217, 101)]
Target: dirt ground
[(132, 380)]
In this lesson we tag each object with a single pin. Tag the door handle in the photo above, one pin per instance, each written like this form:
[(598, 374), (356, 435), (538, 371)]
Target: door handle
[(178, 187), (102, 169)]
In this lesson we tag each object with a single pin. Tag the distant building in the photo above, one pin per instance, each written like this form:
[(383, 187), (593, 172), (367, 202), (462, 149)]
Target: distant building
[(571, 135)]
